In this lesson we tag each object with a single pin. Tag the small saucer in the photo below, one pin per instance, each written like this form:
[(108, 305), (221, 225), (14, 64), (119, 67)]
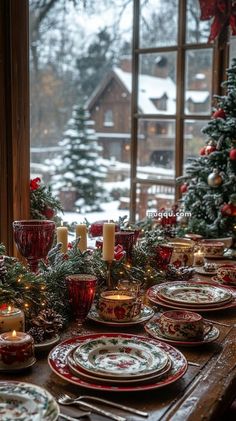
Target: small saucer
[(146, 314), (17, 369), (221, 282), (47, 345), (201, 271), (153, 329)]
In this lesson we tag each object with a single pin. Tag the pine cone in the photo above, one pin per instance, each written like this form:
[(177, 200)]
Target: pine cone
[(37, 333), (3, 269), (49, 322), (179, 274)]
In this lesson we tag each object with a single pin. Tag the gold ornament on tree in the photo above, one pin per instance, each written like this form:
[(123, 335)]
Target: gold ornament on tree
[(214, 179)]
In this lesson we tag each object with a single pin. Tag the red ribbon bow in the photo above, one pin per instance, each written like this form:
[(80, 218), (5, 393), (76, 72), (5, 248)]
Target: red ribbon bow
[(35, 183), (223, 13), (118, 252)]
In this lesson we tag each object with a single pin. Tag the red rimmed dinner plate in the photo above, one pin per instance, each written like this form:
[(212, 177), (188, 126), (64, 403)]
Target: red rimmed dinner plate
[(57, 361), (153, 298)]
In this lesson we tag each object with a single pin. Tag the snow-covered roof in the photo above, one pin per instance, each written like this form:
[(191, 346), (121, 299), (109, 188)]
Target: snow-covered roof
[(197, 97), (150, 88)]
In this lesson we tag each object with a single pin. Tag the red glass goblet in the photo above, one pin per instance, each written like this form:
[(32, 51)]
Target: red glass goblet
[(81, 290), (163, 254), (34, 239), (127, 240)]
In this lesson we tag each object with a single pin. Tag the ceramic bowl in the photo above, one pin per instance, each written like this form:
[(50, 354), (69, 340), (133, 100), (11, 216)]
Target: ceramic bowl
[(212, 248)]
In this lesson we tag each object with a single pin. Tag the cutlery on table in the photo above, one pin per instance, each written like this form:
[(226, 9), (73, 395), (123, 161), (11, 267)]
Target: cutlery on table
[(194, 364), (68, 399), (63, 400), (66, 417)]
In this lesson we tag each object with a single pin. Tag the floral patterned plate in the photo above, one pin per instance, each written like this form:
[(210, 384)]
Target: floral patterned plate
[(154, 330), (57, 361), (145, 314), (120, 357), (26, 402), (100, 380), (220, 281), (192, 293), (153, 298)]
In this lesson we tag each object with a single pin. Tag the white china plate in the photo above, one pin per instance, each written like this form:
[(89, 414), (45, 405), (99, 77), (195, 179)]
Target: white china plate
[(154, 330), (26, 402), (57, 361), (192, 294), (101, 380), (120, 357), (146, 314)]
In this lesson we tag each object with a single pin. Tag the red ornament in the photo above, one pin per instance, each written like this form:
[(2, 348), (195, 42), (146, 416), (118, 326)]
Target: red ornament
[(48, 212), (203, 151), (96, 228), (227, 209), (209, 149), (232, 155), (119, 252), (219, 114), (184, 188), (35, 183)]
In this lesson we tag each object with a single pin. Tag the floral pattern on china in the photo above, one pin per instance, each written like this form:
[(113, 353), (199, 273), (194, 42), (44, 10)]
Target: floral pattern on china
[(119, 356), (193, 293), (26, 402)]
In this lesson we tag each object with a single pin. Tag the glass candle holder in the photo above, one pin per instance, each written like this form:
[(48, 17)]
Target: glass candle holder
[(11, 318), (81, 291), (130, 286), (127, 240), (33, 239), (16, 350), (163, 255)]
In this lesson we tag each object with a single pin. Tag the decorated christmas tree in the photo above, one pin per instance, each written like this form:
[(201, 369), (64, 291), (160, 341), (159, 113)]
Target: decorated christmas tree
[(80, 167), (209, 189)]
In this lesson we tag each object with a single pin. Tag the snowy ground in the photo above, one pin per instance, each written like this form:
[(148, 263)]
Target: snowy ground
[(110, 212)]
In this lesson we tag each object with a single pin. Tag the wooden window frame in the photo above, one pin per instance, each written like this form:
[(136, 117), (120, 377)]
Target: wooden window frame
[(14, 117), (14, 110), (220, 59)]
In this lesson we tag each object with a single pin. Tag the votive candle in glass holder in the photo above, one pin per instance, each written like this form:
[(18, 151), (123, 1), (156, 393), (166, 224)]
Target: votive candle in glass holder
[(16, 350), (11, 318), (198, 258)]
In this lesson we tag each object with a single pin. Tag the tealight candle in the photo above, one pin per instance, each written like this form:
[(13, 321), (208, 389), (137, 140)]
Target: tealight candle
[(11, 318), (198, 258), (62, 237), (16, 350), (108, 241), (119, 297), (81, 231)]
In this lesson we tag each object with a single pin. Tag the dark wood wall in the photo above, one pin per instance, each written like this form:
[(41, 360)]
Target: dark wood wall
[(14, 117)]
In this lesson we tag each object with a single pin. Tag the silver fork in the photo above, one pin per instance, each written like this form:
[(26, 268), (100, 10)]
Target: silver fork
[(110, 403), (66, 400)]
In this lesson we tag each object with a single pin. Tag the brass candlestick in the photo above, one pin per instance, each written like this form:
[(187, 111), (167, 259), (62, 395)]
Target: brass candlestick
[(109, 280)]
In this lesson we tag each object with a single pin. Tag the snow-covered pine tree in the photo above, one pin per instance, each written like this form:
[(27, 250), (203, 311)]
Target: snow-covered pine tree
[(210, 182), (80, 165)]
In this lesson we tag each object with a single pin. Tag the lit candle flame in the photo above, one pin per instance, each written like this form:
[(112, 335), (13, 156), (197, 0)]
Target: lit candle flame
[(13, 334), (9, 308)]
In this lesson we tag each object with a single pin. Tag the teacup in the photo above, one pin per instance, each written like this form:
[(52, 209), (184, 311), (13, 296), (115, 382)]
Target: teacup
[(182, 325), (227, 273), (118, 306), (214, 249)]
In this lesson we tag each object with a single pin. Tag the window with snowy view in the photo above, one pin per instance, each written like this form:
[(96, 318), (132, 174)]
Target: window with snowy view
[(104, 148)]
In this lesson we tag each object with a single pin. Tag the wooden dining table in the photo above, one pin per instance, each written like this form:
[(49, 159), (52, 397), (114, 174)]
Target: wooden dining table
[(203, 393)]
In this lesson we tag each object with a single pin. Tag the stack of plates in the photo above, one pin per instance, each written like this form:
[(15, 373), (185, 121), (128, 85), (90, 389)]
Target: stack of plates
[(192, 296), (120, 362), (26, 402)]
